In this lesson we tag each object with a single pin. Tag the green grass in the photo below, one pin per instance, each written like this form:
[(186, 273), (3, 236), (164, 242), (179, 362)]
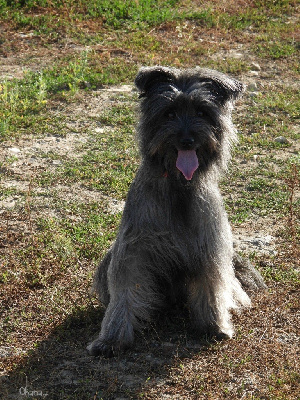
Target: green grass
[(261, 192), (276, 50), (259, 15), (111, 159), (25, 103), (23, 100), (69, 240), (113, 13), (269, 115)]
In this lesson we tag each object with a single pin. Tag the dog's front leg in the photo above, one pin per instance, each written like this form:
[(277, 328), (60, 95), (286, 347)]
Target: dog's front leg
[(117, 329), (209, 307), (132, 298)]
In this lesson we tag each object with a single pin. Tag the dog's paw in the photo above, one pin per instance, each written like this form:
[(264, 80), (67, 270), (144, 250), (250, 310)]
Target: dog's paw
[(220, 335), (99, 347)]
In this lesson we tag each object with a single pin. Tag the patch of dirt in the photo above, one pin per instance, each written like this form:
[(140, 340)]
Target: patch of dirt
[(31, 156), (167, 362)]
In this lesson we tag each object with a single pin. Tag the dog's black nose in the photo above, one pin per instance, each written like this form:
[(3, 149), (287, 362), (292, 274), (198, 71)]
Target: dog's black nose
[(187, 142)]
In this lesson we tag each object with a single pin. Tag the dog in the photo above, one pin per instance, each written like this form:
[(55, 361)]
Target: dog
[(174, 242)]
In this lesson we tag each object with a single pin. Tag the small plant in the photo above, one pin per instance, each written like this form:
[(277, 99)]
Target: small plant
[(275, 50), (293, 208)]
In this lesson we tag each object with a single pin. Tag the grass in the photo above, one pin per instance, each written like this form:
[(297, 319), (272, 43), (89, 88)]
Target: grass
[(115, 14), (22, 100), (68, 194), (276, 50)]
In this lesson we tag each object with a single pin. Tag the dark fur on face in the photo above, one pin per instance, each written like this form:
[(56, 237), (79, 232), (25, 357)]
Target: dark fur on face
[(174, 240), (185, 111)]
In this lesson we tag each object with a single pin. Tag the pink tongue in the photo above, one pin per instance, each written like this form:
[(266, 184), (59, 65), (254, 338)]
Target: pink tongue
[(187, 163)]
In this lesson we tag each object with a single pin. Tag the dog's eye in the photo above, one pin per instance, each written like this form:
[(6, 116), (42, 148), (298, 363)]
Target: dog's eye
[(171, 115), (200, 114)]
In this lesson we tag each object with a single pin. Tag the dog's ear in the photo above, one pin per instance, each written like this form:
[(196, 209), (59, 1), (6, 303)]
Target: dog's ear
[(149, 77), (222, 86)]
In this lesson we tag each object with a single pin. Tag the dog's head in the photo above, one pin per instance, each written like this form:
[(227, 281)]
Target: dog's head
[(185, 124)]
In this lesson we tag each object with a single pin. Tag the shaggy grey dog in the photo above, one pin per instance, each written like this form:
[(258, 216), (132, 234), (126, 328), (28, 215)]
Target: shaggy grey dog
[(174, 242)]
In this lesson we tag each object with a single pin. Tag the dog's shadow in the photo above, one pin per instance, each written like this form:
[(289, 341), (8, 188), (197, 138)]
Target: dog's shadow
[(60, 367)]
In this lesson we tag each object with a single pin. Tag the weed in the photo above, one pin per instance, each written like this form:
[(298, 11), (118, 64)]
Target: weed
[(275, 50), (292, 182), (20, 102)]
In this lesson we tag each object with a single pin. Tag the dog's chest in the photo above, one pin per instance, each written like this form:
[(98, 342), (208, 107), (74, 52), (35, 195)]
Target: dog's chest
[(182, 211), (167, 208), (182, 208)]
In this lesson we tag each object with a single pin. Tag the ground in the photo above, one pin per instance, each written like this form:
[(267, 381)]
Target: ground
[(65, 170)]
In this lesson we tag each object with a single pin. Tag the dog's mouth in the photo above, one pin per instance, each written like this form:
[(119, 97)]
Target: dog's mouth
[(187, 163)]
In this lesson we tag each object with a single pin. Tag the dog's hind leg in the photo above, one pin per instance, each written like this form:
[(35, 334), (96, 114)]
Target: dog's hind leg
[(249, 277), (100, 284)]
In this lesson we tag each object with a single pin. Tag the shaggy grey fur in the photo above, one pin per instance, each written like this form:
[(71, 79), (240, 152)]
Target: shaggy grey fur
[(174, 241)]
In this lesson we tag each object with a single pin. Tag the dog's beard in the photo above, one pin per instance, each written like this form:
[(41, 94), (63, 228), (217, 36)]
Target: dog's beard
[(164, 149)]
